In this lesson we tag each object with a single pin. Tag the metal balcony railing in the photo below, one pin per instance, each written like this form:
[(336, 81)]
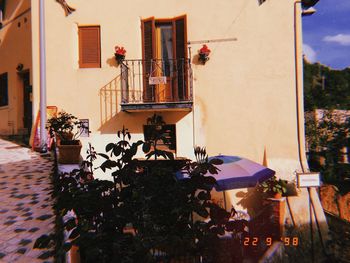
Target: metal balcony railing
[(155, 82)]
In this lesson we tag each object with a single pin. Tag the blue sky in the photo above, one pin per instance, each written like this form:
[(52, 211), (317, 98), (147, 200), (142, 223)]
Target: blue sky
[(326, 34)]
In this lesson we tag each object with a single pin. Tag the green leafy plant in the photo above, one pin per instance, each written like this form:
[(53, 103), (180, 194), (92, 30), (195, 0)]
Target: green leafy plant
[(327, 138), (273, 186), (66, 127), (146, 211)]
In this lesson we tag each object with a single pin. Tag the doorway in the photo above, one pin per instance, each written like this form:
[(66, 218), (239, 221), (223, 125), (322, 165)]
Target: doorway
[(164, 59), (27, 103), (164, 64)]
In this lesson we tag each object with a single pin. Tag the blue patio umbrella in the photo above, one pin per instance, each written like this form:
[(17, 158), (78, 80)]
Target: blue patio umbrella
[(238, 172)]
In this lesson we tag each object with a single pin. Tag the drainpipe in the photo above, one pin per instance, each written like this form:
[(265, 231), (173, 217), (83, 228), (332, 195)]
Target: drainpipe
[(296, 63), (297, 84), (311, 204), (43, 134)]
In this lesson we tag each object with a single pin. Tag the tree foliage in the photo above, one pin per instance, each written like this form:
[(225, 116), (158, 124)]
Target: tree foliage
[(326, 88)]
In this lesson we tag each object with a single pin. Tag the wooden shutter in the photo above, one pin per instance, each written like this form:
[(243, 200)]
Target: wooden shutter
[(89, 47), (181, 56), (148, 53), (180, 37)]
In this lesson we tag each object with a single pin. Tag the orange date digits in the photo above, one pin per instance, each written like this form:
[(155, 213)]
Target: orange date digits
[(287, 241), (246, 241), (295, 241), (268, 241)]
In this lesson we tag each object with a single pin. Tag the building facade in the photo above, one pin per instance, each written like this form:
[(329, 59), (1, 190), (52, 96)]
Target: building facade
[(246, 100), (15, 67)]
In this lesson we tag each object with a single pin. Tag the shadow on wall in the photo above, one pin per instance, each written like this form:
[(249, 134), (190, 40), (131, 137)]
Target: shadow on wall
[(15, 57), (113, 119), (112, 62), (15, 16)]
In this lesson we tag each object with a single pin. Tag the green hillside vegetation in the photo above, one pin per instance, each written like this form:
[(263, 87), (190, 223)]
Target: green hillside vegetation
[(329, 89), (326, 88)]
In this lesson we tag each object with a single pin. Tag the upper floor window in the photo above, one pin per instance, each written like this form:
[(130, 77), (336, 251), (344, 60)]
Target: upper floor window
[(89, 47), (3, 90)]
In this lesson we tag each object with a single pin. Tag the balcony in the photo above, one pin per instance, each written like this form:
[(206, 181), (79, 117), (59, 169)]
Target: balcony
[(162, 85)]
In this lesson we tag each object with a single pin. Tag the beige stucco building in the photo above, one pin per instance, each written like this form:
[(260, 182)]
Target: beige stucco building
[(245, 100)]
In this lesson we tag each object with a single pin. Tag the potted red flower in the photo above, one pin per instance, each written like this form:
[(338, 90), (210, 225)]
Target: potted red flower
[(203, 54), (119, 54)]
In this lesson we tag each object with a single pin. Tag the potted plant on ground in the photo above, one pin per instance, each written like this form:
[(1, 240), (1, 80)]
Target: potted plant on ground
[(272, 191), (67, 129), (273, 187)]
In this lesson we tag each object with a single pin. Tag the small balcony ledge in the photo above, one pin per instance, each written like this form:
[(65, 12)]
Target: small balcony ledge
[(163, 106), (156, 84)]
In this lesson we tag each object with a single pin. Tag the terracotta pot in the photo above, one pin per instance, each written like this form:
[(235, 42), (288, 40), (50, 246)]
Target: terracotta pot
[(74, 254), (68, 154), (277, 195)]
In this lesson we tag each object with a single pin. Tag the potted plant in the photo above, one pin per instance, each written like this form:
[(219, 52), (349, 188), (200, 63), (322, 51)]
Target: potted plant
[(203, 54), (119, 54), (273, 187), (67, 129)]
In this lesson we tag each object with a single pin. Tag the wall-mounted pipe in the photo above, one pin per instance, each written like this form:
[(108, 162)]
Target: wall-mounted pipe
[(43, 134), (296, 63)]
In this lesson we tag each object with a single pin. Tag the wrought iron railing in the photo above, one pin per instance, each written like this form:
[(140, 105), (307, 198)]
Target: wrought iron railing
[(156, 81)]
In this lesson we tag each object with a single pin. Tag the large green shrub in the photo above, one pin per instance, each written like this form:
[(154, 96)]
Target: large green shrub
[(145, 212)]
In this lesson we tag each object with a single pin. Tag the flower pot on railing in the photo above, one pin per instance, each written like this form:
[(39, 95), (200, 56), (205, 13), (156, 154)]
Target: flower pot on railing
[(119, 58), (203, 58), (203, 54), (119, 54)]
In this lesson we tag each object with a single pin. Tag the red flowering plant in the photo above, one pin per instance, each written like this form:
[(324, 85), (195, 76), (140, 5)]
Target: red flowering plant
[(204, 54), (119, 53)]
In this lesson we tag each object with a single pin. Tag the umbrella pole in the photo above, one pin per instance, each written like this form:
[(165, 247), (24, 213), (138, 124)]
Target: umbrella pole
[(225, 205)]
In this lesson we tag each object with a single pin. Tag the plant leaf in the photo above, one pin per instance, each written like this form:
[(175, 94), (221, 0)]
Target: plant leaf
[(216, 161), (109, 147), (75, 233), (146, 147), (103, 155), (70, 224)]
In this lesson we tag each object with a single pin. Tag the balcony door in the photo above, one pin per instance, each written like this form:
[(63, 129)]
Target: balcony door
[(163, 67), (164, 55)]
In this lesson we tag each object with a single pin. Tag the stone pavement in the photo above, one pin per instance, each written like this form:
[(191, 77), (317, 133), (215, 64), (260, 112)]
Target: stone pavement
[(25, 203)]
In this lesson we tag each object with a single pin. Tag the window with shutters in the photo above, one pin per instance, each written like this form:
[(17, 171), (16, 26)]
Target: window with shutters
[(3, 90), (89, 47), (164, 49)]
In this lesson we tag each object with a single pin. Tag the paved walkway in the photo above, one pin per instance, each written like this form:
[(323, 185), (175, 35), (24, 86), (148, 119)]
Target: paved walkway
[(25, 204)]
